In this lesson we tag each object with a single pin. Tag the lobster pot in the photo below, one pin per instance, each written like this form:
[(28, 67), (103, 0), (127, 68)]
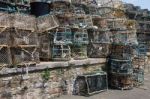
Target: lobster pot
[(132, 38), (106, 12), (79, 52), (122, 82), (24, 38), (83, 21), (23, 22), (99, 36), (62, 36), (45, 49), (139, 62), (25, 55), (5, 56), (79, 9), (80, 37), (5, 36), (4, 20), (93, 10), (119, 37), (46, 22), (88, 84), (61, 8), (141, 37), (138, 77), (121, 52), (61, 52), (121, 66), (98, 50)]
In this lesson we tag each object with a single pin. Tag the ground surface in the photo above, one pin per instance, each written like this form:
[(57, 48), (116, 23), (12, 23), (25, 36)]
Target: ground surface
[(137, 93)]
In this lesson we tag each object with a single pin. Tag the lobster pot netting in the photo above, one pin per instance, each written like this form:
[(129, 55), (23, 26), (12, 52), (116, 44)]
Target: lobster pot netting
[(98, 50), (61, 8), (24, 22), (121, 52), (24, 37), (5, 36), (138, 77), (121, 81), (47, 22), (21, 56), (80, 37), (61, 52), (99, 36), (121, 66), (45, 41), (4, 20), (62, 36), (79, 52), (5, 56)]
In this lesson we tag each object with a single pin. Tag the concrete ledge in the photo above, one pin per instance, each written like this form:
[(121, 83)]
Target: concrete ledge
[(52, 65)]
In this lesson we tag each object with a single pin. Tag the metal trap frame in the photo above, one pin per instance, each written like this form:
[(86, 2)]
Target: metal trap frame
[(80, 36), (61, 52), (121, 66), (92, 83), (122, 82), (62, 35)]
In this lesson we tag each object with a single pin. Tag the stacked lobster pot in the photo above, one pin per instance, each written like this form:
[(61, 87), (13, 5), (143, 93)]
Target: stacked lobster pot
[(99, 38), (24, 47), (139, 63)]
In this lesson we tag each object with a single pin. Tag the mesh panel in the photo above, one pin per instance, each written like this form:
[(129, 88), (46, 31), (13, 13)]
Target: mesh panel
[(5, 56), (4, 36)]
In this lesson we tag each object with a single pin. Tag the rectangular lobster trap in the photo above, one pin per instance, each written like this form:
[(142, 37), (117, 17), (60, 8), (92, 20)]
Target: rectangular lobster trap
[(80, 36), (62, 35), (5, 56), (46, 22), (121, 66), (23, 38), (121, 52), (79, 52), (99, 36), (61, 8), (138, 77), (45, 46), (61, 52), (23, 21), (25, 55), (98, 50), (92, 83), (122, 82), (4, 20)]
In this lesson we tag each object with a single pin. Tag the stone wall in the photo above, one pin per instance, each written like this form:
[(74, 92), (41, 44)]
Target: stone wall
[(43, 84)]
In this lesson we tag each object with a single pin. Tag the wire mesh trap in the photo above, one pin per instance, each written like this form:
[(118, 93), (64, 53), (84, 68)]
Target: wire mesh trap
[(61, 52), (98, 50), (79, 52), (121, 66), (138, 77), (22, 21), (23, 38), (122, 82), (63, 36), (46, 22), (24, 55), (88, 84)]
